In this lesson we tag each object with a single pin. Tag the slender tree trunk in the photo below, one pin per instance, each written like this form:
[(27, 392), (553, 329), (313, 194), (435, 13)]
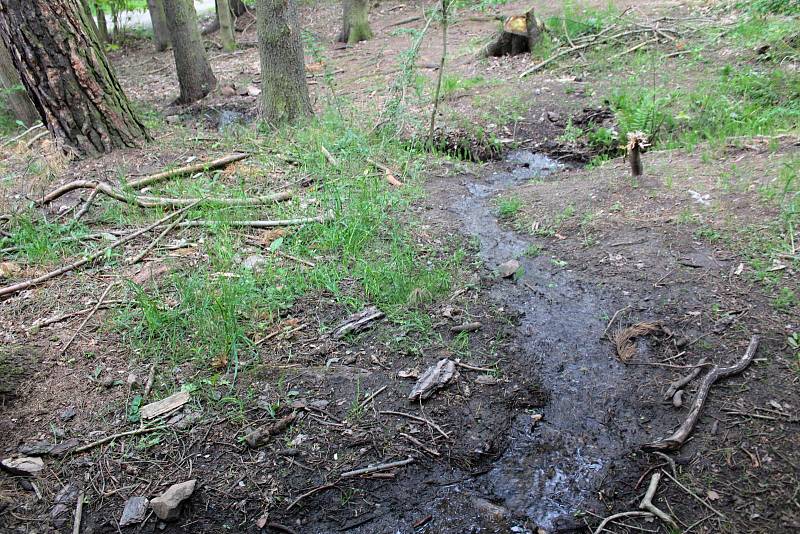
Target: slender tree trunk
[(159, 20), (12, 91), (226, 25), (194, 73), (67, 75), (102, 26), (284, 91), (90, 18), (355, 22), (237, 7)]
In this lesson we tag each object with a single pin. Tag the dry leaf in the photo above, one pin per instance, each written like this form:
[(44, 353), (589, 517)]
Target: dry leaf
[(712, 495), (268, 236), (8, 269), (220, 361)]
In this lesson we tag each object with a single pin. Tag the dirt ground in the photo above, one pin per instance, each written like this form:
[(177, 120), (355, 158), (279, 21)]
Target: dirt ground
[(541, 428)]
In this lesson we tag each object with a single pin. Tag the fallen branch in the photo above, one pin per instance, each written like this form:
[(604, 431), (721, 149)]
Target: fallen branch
[(63, 317), (403, 22), (152, 202), (420, 419), (15, 288), (375, 468), (76, 525), (328, 156), (676, 440), (310, 493), (23, 134), (693, 494), (387, 173), (647, 502), (86, 205), (259, 224), (601, 527), (189, 169), (158, 238)]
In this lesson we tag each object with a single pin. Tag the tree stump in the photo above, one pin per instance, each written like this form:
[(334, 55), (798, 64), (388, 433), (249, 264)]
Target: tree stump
[(519, 36)]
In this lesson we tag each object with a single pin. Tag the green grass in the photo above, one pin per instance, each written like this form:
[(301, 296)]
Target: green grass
[(508, 207)]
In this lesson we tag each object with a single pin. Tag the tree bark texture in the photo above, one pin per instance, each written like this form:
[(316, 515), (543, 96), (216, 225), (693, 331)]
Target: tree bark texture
[(68, 77), (12, 92), (92, 23), (284, 92), (195, 76), (226, 25), (355, 22), (159, 19)]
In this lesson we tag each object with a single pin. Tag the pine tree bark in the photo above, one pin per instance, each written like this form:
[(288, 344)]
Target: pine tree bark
[(14, 95), (355, 22), (68, 77), (195, 76), (158, 18), (226, 25), (284, 92), (102, 26)]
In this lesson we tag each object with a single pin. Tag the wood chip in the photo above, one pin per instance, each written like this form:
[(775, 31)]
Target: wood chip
[(173, 402)]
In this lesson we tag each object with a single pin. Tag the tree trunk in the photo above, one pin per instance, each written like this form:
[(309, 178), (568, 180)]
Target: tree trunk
[(226, 25), (237, 7), (194, 73), (68, 77), (12, 91), (102, 26), (90, 18), (355, 22), (159, 20), (284, 92)]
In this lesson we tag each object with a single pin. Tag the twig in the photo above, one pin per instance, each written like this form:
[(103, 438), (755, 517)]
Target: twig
[(89, 316), (379, 467), (647, 502), (328, 156), (159, 237), (295, 258), (620, 515), (189, 169), (64, 316), (279, 331), (36, 138), (419, 444), (676, 440), (473, 368), (15, 288), (693, 494), (86, 205), (611, 322), (136, 432), (681, 382), (145, 201), (366, 401), (440, 74), (387, 173), (420, 419), (310, 493), (633, 48), (76, 526), (23, 134), (258, 224), (150, 379), (402, 22)]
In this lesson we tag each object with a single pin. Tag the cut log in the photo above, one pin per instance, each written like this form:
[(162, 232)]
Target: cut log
[(519, 35)]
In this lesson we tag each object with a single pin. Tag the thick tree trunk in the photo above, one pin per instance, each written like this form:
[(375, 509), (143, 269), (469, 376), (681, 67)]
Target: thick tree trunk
[(226, 25), (102, 26), (12, 91), (355, 22), (284, 92), (194, 73), (159, 19), (67, 75)]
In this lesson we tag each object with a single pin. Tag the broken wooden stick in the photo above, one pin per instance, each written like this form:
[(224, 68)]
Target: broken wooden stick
[(76, 525), (328, 156), (189, 169), (681, 382), (15, 288), (158, 238), (647, 502), (259, 224), (676, 440), (387, 173), (86, 205), (375, 468), (144, 201), (602, 526), (112, 437)]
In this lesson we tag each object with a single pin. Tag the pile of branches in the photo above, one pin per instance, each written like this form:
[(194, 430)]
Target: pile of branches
[(634, 35)]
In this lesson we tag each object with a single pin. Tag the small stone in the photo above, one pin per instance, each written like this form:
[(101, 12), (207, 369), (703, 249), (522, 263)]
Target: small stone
[(252, 90), (486, 380), (135, 511), (23, 466), (508, 269), (255, 262), (35, 448), (67, 413), (228, 90), (167, 505), (64, 447), (64, 502)]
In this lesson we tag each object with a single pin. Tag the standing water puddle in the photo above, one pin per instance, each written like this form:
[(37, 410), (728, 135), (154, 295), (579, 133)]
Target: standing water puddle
[(552, 468)]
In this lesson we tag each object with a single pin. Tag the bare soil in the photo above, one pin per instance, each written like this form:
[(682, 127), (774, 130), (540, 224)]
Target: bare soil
[(539, 432)]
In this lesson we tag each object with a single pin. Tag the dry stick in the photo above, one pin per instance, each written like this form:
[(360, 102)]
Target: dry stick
[(23, 134), (420, 419), (633, 48), (158, 238), (681, 382), (279, 331), (89, 316), (676, 440), (86, 205), (151, 202), (379, 467), (366, 401), (38, 136), (257, 224), (418, 443), (310, 493), (441, 72), (63, 317), (611, 322), (614, 517), (387, 173), (647, 502), (136, 432), (329, 156), (15, 288), (150, 379), (402, 22), (76, 526), (473, 368), (698, 498), (189, 169)]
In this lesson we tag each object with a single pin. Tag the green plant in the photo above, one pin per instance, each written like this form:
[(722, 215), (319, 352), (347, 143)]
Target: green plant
[(533, 250), (785, 300), (508, 207)]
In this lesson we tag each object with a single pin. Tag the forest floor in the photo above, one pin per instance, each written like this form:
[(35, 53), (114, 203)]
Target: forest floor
[(540, 428)]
